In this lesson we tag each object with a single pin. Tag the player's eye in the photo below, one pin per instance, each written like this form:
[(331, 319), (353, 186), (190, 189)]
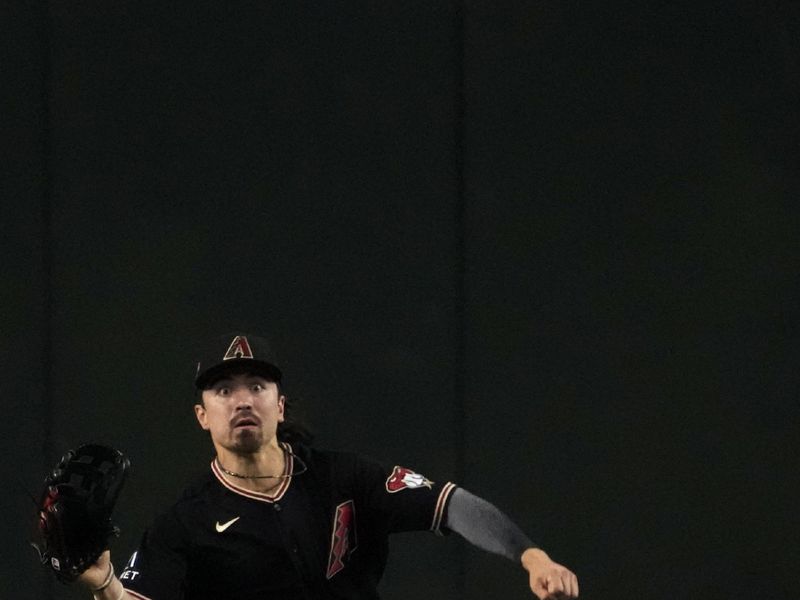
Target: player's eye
[(223, 390), (256, 387)]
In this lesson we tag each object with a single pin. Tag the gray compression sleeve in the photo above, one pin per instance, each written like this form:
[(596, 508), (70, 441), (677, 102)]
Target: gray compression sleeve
[(482, 524)]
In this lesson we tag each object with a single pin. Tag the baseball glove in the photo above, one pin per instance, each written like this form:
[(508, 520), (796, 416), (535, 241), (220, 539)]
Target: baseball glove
[(75, 509)]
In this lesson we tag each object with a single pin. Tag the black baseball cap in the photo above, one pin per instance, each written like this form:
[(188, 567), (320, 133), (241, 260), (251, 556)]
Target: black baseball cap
[(236, 350)]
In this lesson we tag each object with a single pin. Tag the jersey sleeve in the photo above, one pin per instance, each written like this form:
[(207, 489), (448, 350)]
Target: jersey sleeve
[(402, 498), (157, 569)]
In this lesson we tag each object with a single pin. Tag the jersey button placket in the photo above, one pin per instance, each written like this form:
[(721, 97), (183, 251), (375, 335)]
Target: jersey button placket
[(292, 548)]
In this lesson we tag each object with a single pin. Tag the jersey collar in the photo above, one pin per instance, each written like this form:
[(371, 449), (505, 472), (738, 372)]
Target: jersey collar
[(273, 496)]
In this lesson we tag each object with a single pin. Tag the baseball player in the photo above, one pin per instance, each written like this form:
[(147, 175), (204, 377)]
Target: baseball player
[(273, 518)]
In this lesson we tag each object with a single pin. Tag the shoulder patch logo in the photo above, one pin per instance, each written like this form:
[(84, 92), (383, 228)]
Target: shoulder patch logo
[(402, 478), (239, 348)]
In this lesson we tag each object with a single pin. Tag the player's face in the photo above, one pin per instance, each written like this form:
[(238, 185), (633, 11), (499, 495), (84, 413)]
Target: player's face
[(241, 412)]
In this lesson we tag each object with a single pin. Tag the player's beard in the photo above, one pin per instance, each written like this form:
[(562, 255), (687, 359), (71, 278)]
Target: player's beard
[(247, 441)]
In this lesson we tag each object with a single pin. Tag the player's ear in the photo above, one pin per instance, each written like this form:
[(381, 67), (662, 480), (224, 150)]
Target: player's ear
[(202, 417), (281, 408)]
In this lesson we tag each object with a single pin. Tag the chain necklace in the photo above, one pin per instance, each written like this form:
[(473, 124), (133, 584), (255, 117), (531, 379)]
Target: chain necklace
[(283, 476)]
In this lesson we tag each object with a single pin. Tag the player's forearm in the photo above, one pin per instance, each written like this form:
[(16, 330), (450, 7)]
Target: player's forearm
[(485, 526)]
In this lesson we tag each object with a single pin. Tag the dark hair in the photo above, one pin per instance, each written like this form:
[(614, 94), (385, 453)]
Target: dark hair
[(293, 430)]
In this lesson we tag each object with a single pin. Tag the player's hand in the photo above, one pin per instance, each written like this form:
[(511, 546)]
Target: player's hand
[(548, 579), (95, 575)]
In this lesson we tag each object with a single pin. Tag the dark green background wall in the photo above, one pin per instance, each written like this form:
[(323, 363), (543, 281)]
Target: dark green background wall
[(538, 248)]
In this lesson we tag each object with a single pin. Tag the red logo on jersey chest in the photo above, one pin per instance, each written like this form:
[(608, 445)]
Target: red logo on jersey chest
[(343, 540)]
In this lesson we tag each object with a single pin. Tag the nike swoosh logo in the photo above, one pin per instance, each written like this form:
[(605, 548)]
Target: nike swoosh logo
[(224, 526)]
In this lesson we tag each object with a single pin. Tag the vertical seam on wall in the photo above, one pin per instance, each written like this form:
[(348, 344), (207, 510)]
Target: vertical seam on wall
[(459, 382), (46, 146), (460, 238), (46, 326)]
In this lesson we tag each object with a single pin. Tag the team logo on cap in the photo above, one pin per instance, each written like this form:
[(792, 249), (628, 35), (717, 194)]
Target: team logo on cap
[(239, 348), (402, 478)]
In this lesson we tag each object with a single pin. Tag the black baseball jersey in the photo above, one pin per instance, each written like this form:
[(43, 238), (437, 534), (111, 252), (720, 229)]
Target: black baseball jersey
[(322, 534)]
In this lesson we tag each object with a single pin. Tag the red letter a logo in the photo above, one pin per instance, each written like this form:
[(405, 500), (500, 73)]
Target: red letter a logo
[(239, 348)]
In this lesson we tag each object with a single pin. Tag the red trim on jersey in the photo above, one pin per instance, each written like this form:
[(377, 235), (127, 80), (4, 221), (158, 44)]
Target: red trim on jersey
[(261, 497), (438, 513), (135, 594)]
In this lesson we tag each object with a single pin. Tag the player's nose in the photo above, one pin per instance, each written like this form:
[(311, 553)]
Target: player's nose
[(242, 396)]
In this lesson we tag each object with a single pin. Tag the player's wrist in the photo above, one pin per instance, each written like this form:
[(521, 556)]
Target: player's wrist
[(106, 581), (113, 591), (532, 557)]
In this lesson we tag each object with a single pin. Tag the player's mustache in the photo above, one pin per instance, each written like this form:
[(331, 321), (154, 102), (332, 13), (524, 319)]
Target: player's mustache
[(245, 416)]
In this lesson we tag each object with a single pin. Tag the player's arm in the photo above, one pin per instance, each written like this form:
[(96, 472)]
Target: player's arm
[(102, 582), (485, 526)]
